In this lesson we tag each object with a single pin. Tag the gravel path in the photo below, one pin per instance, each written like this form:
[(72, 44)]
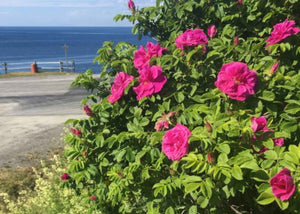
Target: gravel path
[(32, 115)]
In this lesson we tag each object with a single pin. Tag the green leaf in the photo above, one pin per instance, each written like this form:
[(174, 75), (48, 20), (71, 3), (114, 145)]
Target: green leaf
[(193, 210), (268, 96), (237, 173), (291, 157), (203, 201), (265, 198), (292, 108), (270, 154), (170, 210), (179, 97), (190, 187), (223, 148), (282, 204)]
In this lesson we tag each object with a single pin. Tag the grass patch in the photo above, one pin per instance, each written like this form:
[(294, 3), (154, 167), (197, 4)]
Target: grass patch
[(30, 74)]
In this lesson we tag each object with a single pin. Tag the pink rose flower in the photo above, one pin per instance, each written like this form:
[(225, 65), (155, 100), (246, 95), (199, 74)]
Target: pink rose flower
[(151, 81), (87, 110), (236, 41), (122, 80), (240, 2), (142, 57), (191, 38), (274, 68), (236, 80), (278, 141), (65, 177), (93, 198), (131, 5), (212, 31), (281, 31), (175, 142), (259, 124), (283, 185)]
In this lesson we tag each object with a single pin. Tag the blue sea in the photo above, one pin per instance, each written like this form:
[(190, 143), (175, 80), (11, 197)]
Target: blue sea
[(21, 46)]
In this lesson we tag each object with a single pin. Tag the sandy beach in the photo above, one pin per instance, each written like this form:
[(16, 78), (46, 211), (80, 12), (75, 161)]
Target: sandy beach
[(32, 115)]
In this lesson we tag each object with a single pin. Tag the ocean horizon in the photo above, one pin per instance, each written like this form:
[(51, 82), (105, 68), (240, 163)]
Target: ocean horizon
[(20, 46)]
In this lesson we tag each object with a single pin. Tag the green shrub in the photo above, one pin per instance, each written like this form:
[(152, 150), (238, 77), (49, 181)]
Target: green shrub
[(236, 124)]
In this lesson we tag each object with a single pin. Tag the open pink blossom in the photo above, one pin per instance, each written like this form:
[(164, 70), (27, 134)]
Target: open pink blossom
[(240, 2), (274, 68), (212, 31), (151, 81), (283, 185), (175, 142), (236, 80), (259, 124), (131, 5), (191, 38), (281, 31), (122, 80), (142, 57)]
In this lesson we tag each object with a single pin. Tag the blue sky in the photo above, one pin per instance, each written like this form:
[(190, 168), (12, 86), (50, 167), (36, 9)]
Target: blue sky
[(64, 12)]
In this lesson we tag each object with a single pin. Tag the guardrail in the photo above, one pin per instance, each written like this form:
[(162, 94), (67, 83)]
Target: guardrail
[(39, 66)]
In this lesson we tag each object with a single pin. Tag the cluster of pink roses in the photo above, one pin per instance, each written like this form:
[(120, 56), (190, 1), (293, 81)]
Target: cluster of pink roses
[(151, 78)]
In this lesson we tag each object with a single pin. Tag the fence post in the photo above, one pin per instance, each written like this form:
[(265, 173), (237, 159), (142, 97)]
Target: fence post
[(73, 66), (61, 68), (5, 67)]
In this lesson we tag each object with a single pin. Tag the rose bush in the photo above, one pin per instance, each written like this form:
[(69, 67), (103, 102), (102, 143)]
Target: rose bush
[(205, 124)]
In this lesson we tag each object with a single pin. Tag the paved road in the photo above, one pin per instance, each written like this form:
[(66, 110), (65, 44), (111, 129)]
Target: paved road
[(32, 113)]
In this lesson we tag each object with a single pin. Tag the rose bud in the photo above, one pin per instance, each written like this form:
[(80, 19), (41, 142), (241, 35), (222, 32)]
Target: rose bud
[(131, 5), (93, 198), (274, 68), (210, 157), (212, 31), (87, 110), (65, 177), (208, 127), (236, 41)]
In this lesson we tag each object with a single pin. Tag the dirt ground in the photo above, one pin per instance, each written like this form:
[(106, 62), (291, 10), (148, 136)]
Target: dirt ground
[(32, 115)]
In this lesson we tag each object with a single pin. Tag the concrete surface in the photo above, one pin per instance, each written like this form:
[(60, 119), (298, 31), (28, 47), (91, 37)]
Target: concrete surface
[(32, 115)]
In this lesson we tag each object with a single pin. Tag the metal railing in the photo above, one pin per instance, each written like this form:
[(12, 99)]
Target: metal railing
[(41, 66)]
